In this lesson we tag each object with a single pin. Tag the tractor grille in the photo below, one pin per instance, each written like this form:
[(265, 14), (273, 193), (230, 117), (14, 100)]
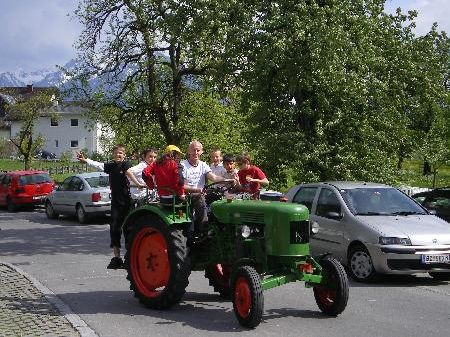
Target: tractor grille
[(252, 217), (299, 232)]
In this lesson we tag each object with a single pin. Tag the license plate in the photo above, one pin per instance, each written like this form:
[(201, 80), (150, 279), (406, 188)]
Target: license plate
[(39, 197), (427, 259)]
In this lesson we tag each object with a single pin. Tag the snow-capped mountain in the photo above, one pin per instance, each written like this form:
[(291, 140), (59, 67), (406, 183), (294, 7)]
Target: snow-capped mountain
[(46, 77)]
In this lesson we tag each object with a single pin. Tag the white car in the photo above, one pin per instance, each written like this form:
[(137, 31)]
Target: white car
[(374, 229), (84, 195)]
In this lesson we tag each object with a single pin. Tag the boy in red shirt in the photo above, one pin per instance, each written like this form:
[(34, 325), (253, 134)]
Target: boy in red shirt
[(166, 174), (251, 177)]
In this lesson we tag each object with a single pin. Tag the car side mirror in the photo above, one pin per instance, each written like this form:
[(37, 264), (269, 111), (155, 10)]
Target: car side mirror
[(334, 215)]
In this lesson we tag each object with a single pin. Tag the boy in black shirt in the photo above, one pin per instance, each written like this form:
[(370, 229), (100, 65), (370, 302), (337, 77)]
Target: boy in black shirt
[(118, 171)]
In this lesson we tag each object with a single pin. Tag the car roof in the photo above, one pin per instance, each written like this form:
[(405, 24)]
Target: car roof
[(347, 184), (25, 172), (438, 192), (91, 174)]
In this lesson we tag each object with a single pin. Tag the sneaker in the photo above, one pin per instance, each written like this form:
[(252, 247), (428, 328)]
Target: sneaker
[(116, 263)]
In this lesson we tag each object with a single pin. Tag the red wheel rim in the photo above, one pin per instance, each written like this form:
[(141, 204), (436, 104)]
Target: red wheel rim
[(149, 262), (242, 297), (326, 296)]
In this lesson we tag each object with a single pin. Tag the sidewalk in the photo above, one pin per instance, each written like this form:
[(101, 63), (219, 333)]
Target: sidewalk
[(27, 308)]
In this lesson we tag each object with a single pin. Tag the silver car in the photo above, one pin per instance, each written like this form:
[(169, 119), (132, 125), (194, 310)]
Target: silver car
[(374, 229), (84, 195)]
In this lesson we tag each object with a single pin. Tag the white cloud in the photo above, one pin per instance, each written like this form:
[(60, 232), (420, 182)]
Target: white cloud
[(429, 11), (36, 34)]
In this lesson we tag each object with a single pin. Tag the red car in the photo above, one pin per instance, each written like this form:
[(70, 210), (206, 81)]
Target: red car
[(24, 188)]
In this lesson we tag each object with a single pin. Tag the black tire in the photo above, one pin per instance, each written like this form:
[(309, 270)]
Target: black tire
[(49, 211), (81, 215), (10, 205), (219, 278), (332, 295), (247, 296), (360, 265), (157, 262), (445, 276)]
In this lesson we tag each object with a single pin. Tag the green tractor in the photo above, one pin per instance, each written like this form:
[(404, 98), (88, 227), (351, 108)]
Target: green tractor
[(252, 246)]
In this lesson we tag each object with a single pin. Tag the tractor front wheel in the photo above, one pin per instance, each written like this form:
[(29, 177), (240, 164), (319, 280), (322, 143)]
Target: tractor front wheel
[(247, 296), (157, 262), (332, 294)]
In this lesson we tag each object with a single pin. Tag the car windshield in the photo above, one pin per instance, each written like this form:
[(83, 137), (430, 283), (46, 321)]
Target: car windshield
[(379, 201), (35, 179), (100, 181)]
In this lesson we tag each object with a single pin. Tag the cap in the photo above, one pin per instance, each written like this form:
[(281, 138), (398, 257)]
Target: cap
[(171, 148)]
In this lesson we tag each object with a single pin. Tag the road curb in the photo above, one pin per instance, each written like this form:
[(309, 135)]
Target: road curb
[(77, 323)]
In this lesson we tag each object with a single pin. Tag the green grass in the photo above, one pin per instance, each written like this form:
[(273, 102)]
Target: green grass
[(411, 175)]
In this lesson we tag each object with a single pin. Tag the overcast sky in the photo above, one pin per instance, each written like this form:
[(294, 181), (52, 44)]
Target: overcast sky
[(39, 33)]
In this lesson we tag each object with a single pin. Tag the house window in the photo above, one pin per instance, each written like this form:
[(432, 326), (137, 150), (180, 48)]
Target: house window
[(74, 122), (53, 122), (56, 143), (74, 143)]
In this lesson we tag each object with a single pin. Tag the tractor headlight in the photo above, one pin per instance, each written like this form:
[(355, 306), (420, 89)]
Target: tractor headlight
[(383, 240), (245, 231)]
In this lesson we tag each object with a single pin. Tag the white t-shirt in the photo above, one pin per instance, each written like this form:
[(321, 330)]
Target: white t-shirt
[(195, 176), (218, 170), (137, 171)]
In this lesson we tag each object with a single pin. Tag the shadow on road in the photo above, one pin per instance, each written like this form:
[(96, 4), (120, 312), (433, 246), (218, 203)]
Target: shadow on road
[(202, 311), (400, 281), (58, 236)]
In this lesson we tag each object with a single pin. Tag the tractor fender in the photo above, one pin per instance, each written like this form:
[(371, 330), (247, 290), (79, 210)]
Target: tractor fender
[(164, 214)]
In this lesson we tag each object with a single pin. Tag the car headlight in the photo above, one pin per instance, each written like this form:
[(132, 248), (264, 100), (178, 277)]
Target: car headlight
[(384, 240)]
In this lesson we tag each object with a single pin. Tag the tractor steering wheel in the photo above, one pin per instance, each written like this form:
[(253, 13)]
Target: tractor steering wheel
[(216, 191)]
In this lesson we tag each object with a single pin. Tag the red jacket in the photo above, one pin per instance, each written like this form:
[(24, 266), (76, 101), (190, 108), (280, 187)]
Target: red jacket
[(167, 175)]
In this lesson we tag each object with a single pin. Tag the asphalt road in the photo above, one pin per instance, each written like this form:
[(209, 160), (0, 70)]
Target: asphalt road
[(70, 259)]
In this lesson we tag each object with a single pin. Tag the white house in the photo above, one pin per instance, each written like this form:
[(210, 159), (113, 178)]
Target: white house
[(69, 131)]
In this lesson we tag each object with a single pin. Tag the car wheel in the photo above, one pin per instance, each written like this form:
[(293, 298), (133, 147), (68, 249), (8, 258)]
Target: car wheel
[(360, 264), (10, 205), (81, 214), (51, 214), (440, 276)]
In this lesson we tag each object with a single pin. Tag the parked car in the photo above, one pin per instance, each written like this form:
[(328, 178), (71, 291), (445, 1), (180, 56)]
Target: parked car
[(374, 229), (43, 154), (24, 188), (437, 201), (84, 195)]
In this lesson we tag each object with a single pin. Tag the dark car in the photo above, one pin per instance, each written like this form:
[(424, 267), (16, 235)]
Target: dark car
[(437, 201), (44, 154), (24, 188)]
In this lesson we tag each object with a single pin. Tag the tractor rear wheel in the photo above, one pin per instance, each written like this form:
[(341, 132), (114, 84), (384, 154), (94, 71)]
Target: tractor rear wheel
[(157, 262), (332, 294), (247, 296), (219, 278)]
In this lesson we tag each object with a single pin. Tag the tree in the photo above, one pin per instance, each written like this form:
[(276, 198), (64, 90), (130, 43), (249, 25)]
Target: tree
[(152, 52), (336, 88), (27, 110)]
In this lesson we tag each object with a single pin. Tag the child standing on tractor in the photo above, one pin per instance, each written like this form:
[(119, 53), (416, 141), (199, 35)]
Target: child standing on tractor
[(119, 172), (166, 174), (148, 156), (215, 156), (251, 177)]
